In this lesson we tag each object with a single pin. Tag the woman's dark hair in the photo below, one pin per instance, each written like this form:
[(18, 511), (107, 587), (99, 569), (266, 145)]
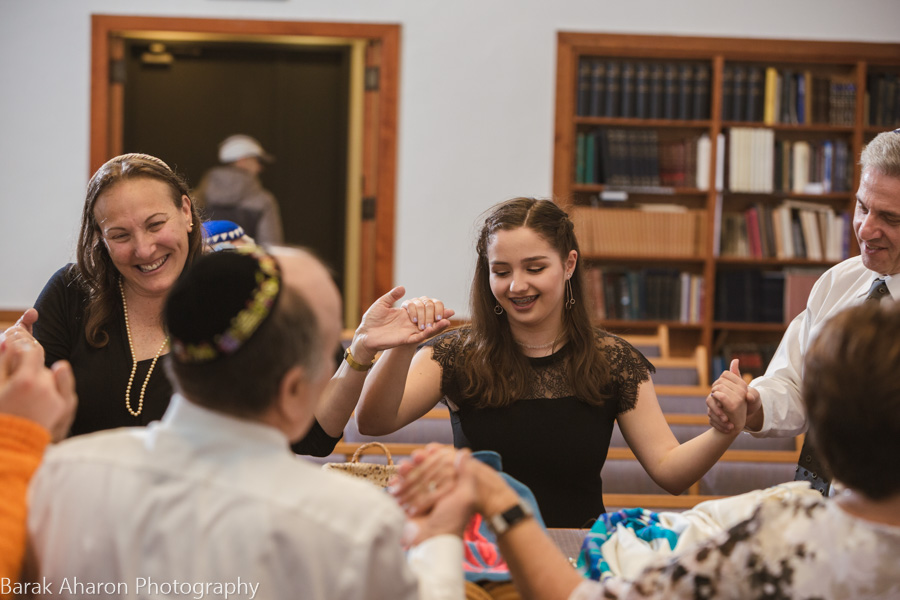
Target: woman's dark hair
[(491, 348), (96, 272)]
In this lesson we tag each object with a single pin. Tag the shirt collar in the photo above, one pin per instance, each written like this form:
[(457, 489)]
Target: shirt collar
[(207, 426), (893, 284)]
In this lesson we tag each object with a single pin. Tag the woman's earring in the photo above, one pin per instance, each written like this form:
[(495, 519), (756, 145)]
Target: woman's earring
[(570, 297), (498, 310)]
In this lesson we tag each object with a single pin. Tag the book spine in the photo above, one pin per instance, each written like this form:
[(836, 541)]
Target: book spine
[(727, 93), (685, 91), (627, 87), (598, 87), (642, 90), (611, 107), (670, 91), (754, 94), (771, 91), (584, 86), (739, 95), (700, 108), (656, 91)]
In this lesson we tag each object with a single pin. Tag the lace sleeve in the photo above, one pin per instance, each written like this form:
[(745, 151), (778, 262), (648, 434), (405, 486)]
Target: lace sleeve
[(445, 352), (629, 368)]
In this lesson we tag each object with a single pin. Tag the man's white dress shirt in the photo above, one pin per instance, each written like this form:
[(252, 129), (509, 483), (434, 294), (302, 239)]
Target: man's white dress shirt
[(202, 498), (844, 285)]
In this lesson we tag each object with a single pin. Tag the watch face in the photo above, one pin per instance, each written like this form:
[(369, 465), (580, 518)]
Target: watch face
[(503, 521), (514, 515)]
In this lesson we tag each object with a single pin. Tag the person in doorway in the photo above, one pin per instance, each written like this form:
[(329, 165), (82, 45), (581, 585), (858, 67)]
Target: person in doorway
[(232, 191)]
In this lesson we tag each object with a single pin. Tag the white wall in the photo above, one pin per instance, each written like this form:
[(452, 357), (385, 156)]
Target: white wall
[(476, 106)]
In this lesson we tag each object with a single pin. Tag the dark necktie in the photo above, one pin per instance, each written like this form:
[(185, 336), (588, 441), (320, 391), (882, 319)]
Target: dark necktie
[(808, 466), (878, 290)]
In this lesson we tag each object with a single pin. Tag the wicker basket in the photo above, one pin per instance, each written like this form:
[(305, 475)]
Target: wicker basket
[(374, 473)]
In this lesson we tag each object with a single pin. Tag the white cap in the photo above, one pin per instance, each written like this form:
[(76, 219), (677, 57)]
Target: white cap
[(240, 146)]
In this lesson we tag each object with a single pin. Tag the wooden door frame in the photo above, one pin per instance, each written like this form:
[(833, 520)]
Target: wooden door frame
[(384, 130)]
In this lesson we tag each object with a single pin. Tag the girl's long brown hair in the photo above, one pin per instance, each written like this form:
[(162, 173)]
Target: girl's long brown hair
[(491, 349)]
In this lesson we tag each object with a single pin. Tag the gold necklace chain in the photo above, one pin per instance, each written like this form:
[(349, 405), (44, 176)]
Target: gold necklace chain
[(539, 347), (134, 362)]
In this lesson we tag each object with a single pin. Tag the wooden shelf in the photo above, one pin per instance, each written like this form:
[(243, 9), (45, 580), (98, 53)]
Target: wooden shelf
[(594, 188), (739, 326), (772, 262), (652, 123), (618, 324), (810, 128), (845, 66), (834, 196), (645, 259)]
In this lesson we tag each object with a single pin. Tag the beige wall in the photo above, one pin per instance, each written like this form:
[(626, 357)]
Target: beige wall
[(476, 106)]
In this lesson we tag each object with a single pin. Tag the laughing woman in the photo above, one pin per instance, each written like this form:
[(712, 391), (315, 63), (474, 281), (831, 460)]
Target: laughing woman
[(139, 230), (532, 379)]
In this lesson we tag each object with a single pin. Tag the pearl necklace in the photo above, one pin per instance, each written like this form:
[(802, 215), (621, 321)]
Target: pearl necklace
[(134, 362)]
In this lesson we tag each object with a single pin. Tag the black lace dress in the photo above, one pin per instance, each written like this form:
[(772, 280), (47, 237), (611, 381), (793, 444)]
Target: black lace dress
[(550, 440)]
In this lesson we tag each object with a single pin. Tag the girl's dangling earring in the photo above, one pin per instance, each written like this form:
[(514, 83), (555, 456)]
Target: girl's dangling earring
[(498, 310), (570, 297)]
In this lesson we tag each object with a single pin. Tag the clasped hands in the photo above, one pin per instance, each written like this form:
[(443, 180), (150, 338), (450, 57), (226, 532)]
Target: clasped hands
[(440, 488), (731, 402), (384, 326)]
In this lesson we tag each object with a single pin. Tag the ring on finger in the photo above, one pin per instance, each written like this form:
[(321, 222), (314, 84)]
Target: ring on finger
[(431, 487)]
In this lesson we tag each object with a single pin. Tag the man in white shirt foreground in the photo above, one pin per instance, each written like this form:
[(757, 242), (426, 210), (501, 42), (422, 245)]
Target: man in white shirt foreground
[(774, 406), (211, 502)]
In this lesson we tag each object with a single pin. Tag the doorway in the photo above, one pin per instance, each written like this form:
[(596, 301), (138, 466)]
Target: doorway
[(183, 97), (334, 139)]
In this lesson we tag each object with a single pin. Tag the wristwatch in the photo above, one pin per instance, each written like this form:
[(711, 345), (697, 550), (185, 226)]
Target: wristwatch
[(502, 521)]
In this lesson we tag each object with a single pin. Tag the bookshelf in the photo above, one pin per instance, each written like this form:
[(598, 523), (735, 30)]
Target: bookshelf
[(712, 179)]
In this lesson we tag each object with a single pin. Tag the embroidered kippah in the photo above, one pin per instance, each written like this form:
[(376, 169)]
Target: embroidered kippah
[(220, 303), (216, 232)]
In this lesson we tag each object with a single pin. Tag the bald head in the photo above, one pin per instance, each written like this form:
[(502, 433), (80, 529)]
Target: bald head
[(308, 278)]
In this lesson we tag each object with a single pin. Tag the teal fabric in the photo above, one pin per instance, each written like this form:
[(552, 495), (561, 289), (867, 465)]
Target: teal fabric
[(644, 524)]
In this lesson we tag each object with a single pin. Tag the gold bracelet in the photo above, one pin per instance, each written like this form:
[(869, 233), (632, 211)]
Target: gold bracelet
[(354, 364)]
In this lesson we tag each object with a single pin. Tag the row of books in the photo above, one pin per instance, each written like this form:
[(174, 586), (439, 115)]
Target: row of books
[(770, 95), (793, 229), (638, 157), (757, 162), (643, 90), (647, 230), (644, 294), (755, 296), (883, 100)]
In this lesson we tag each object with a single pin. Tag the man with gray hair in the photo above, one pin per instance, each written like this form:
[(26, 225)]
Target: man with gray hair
[(211, 501), (774, 405)]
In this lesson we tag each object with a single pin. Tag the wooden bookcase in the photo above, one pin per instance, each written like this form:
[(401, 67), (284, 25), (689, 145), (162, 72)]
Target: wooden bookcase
[(625, 165)]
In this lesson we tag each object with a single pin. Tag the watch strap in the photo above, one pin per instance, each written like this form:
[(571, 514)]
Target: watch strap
[(503, 521)]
